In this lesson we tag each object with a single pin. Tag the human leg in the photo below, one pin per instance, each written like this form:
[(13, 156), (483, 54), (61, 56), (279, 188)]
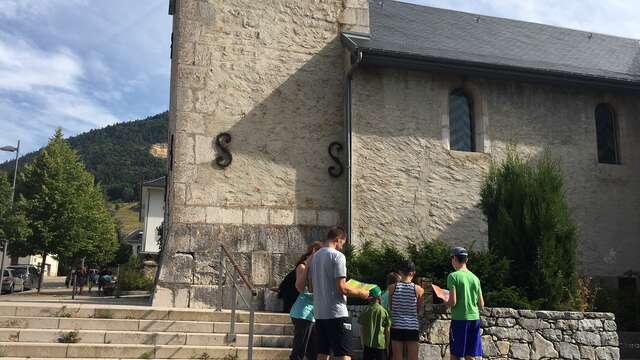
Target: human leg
[(398, 349), (301, 333), (473, 348), (323, 344), (312, 343), (457, 339), (412, 350)]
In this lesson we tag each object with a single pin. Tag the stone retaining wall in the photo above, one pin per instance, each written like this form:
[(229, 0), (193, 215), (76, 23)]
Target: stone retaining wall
[(527, 334)]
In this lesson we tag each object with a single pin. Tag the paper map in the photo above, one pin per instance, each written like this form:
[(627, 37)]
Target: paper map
[(440, 292), (360, 285)]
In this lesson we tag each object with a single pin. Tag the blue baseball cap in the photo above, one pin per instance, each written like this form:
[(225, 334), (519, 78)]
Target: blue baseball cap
[(459, 251)]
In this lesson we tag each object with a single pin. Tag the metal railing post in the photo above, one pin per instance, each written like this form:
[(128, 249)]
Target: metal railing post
[(221, 281), (235, 291), (231, 336), (252, 319)]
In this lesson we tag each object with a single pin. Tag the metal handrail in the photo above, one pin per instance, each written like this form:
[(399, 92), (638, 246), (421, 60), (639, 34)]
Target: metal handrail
[(231, 336)]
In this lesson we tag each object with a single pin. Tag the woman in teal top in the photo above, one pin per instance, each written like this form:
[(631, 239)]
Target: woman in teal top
[(302, 311)]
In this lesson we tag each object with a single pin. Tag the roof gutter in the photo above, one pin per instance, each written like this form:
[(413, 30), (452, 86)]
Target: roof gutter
[(347, 124), (378, 57)]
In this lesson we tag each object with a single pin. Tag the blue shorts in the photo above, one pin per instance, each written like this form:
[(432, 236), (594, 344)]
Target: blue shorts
[(465, 339)]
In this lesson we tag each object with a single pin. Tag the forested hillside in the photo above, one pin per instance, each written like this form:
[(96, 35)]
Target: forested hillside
[(119, 155)]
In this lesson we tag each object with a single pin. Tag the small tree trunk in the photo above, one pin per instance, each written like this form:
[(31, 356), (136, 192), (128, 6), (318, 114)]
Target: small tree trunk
[(42, 267)]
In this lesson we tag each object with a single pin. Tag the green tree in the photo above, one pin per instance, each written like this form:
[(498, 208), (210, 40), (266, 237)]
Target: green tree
[(530, 224), (65, 211), (12, 222)]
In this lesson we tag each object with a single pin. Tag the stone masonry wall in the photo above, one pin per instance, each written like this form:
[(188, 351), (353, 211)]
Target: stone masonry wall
[(269, 73), (526, 334), (408, 186)]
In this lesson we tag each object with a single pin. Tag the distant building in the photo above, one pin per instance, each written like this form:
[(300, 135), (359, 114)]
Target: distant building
[(134, 239), (152, 213), (51, 265)]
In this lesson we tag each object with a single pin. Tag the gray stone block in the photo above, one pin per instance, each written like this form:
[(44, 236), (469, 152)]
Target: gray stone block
[(568, 351), (519, 351), (587, 338), (260, 268), (542, 348), (607, 353)]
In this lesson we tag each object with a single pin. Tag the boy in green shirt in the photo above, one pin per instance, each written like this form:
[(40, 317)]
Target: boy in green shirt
[(465, 301), (374, 328)]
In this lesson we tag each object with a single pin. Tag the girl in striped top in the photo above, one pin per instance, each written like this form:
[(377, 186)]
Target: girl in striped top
[(405, 302)]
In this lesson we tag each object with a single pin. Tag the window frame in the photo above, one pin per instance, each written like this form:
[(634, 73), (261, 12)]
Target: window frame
[(614, 133), (472, 121)]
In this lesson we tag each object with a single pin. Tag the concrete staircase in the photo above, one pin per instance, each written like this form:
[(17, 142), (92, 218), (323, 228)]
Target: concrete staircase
[(87, 331)]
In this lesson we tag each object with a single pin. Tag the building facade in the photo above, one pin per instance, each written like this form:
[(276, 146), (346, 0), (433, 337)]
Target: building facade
[(152, 214), (288, 117)]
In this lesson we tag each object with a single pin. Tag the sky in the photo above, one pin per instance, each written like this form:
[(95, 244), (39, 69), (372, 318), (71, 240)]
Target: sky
[(85, 64)]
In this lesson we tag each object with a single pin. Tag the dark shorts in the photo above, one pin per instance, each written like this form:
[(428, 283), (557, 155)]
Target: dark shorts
[(334, 336), (465, 339), (374, 354), (405, 335)]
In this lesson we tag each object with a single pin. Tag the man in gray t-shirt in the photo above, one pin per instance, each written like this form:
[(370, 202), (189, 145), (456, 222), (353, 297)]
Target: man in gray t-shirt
[(328, 274)]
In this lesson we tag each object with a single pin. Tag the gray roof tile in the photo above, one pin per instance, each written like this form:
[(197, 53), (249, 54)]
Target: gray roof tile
[(438, 33)]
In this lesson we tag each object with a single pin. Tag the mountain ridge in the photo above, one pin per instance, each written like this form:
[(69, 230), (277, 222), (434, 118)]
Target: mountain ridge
[(119, 156)]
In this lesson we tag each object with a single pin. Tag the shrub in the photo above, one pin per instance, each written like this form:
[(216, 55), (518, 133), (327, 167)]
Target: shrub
[(529, 224), (373, 262), (131, 276), (510, 297)]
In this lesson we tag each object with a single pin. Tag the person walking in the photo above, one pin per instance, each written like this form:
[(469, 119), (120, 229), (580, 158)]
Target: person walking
[(328, 274), (405, 302), (81, 278), (304, 339), (465, 302)]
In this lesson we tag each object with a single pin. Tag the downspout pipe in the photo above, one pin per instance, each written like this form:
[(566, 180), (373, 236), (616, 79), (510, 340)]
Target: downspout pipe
[(347, 101)]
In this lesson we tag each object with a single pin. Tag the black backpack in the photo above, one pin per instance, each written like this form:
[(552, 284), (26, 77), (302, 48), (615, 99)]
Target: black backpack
[(287, 291)]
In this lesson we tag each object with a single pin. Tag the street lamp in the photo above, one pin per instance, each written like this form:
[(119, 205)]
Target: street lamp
[(15, 149)]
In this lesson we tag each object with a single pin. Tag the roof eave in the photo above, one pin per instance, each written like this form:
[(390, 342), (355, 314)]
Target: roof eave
[(379, 57)]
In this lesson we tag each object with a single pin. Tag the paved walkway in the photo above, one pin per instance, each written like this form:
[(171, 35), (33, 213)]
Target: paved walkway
[(54, 291)]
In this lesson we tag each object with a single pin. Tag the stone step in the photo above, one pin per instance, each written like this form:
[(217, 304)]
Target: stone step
[(95, 311), (140, 337), (102, 351), (65, 323)]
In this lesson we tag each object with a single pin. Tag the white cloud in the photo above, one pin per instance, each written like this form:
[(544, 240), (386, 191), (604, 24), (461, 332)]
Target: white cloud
[(41, 90), (24, 67), (12, 9)]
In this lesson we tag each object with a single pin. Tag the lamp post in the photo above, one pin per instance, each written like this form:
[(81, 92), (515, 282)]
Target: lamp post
[(15, 149)]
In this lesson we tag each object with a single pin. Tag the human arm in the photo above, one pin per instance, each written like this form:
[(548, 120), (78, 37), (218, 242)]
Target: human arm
[(390, 290), (340, 274), (420, 296), (344, 289), (451, 286), (480, 301), (301, 277), (452, 298)]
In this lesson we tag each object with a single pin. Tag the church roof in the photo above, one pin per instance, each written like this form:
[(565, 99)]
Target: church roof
[(421, 35)]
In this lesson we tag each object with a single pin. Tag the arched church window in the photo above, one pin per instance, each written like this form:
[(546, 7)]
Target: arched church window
[(607, 135), (461, 126)]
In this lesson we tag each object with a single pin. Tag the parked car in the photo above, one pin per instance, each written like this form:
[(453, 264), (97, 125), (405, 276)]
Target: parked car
[(11, 283), (28, 273)]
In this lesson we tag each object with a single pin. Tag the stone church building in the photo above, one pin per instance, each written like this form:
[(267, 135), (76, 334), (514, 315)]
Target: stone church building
[(290, 116)]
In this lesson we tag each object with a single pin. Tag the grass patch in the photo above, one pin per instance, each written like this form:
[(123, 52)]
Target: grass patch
[(69, 338), (103, 314), (127, 216)]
